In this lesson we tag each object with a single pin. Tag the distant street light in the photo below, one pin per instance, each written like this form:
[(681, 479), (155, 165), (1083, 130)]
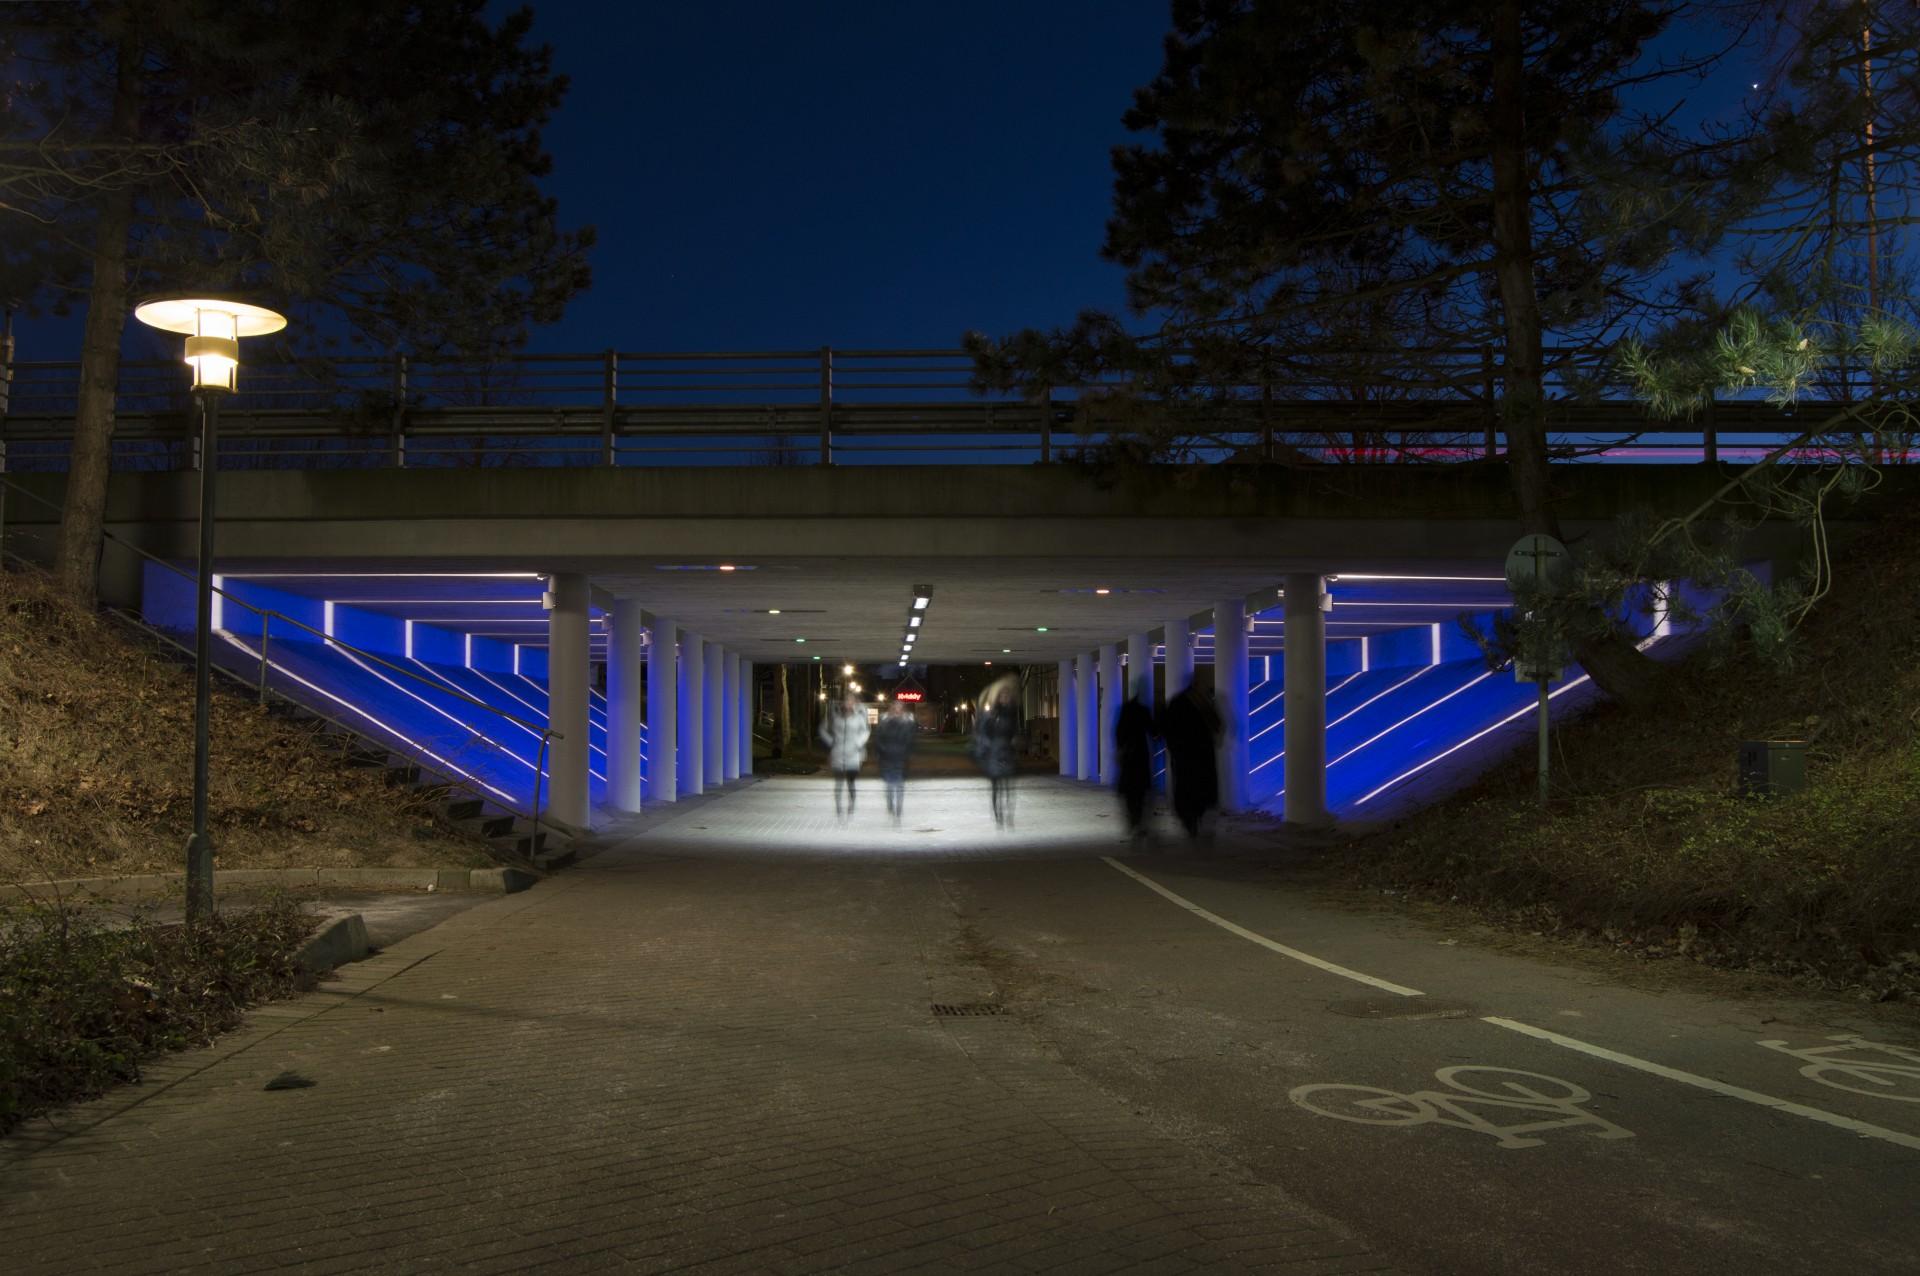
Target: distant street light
[(213, 329)]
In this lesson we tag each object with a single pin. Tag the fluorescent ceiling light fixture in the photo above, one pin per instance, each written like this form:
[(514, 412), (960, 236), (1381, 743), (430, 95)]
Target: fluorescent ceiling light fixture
[(920, 602), (1039, 629), (1006, 651), (803, 640), (913, 622), (773, 611), (1360, 576), (1103, 591)]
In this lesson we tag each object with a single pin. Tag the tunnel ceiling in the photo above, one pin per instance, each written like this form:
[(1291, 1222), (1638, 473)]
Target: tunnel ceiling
[(982, 608)]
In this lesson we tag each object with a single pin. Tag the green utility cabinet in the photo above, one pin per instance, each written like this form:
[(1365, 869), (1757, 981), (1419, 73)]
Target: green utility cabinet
[(1772, 768)]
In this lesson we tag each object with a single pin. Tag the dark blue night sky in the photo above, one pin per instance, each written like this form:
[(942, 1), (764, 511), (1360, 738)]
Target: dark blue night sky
[(779, 175)]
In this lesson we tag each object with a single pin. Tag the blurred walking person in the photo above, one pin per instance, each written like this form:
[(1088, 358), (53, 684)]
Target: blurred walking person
[(845, 734), (893, 742), (1133, 733), (996, 734), (1191, 727)]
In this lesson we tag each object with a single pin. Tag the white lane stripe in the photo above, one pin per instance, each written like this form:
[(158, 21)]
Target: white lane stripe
[(1861, 1128), (1262, 940)]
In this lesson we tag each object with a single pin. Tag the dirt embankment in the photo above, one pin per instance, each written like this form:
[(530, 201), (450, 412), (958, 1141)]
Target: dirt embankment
[(96, 758), (1649, 848)]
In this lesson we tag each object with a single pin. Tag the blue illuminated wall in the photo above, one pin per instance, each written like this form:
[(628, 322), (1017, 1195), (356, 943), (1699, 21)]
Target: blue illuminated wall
[(417, 704)]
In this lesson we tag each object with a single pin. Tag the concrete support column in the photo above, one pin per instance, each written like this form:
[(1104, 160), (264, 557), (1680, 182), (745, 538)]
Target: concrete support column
[(1305, 673), (730, 713), (1230, 685), (1179, 656), (693, 715), (624, 676), (1087, 719), (1068, 725), (663, 698), (1110, 701), (1139, 668), (743, 708), (715, 735), (567, 673)]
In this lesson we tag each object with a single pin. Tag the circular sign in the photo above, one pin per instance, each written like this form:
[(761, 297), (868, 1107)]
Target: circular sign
[(1538, 564)]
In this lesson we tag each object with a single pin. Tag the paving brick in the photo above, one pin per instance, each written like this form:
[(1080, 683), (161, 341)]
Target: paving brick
[(665, 1060)]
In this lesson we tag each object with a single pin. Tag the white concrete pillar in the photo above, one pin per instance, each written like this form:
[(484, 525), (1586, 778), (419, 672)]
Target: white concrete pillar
[(1305, 674), (1087, 718), (624, 675), (744, 710), (568, 667), (714, 737), (1111, 699), (1139, 668), (1230, 685), (1068, 727), (729, 717), (693, 715), (1179, 656), (663, 696)]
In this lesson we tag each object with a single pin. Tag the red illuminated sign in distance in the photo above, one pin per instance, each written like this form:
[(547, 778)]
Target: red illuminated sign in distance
[(909, 696)]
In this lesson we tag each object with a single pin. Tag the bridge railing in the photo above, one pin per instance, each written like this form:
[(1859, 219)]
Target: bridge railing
[(828, 406)]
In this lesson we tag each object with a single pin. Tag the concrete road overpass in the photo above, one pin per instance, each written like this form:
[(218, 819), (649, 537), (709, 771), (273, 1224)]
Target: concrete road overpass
[(1056, 567)]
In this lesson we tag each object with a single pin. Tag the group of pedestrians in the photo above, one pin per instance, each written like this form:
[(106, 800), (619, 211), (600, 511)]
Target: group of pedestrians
[(1189, 727)]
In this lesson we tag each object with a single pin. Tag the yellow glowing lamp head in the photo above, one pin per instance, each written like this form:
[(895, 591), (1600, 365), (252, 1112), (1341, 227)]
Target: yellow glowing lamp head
[(213, 329)]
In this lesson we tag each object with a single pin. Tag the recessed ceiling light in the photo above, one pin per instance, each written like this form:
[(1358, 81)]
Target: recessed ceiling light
[(816, 657), (725, 567), (986, 662), (1103, 591), (913, 622), (1039, 629), (1006, 651), (803, 640), (773, 611)]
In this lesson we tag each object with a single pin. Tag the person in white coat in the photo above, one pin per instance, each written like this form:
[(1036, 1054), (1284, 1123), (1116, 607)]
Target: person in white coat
[(845, 734)]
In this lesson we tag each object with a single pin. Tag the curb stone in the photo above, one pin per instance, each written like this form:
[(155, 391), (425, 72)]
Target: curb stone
[(339, 942), (502, 880)]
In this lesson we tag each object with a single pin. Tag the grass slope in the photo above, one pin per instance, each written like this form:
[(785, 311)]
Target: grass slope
[(96, 765), (1647, 845)]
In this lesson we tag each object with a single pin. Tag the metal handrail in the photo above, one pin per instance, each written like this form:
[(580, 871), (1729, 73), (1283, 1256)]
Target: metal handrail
[(267, 615)]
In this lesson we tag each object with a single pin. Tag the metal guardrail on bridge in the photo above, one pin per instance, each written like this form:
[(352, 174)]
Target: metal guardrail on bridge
[(828, 406)]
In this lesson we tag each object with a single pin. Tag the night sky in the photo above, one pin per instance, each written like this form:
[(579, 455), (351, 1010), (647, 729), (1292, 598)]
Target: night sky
[(772, 175)]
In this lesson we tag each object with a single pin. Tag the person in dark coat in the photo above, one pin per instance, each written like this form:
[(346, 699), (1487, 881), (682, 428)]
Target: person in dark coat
[(1133, 733), (996, 746), (893, 741), (1191, 727)]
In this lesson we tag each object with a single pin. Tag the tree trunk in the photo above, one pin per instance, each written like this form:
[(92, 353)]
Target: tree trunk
[(783, 706), (82, 521), (1613, 662)]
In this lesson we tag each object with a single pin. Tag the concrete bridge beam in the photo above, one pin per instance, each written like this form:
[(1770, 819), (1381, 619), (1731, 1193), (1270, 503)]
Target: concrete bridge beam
[(624, 675), (567, 669)]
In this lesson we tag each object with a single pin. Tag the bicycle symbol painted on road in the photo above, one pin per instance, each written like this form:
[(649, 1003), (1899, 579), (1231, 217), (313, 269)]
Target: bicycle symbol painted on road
[(1860, 1066), (1555, 1104)]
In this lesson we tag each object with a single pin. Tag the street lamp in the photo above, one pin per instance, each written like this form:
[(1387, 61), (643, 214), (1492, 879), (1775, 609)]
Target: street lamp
[(213, 328)]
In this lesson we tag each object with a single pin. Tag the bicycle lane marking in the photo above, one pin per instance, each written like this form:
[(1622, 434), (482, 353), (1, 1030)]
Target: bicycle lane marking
[(1251, 937), (1863, 1128)]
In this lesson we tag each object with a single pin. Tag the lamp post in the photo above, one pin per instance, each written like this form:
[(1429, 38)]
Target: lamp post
[(213, 328)]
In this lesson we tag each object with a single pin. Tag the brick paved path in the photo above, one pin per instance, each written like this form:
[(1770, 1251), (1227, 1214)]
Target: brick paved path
[(710, 1049)]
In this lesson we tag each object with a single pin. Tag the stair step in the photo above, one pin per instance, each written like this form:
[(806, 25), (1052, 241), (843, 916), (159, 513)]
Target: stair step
[(464, 808)]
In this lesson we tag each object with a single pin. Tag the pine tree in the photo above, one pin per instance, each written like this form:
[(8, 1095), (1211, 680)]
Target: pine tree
[(1421, 171), (372, 168)]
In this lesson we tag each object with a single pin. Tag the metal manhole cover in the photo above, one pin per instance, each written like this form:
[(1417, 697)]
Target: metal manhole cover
[(1403, 1008), (968, 1008)]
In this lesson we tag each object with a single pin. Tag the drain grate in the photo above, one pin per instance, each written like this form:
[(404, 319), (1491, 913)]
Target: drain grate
[(968, 1008)]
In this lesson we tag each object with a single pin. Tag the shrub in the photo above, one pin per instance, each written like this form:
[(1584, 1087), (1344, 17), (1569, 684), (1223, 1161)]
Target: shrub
[(85, 997)]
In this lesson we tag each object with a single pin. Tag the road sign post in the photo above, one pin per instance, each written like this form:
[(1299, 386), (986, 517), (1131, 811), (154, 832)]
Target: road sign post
[(1538, 567)]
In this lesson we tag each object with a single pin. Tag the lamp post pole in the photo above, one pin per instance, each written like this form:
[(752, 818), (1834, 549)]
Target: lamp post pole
[(213, 327), (200, 845)]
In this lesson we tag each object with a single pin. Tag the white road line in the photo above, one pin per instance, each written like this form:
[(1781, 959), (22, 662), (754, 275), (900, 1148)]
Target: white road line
[(1861, 1128), (1262, 940)]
